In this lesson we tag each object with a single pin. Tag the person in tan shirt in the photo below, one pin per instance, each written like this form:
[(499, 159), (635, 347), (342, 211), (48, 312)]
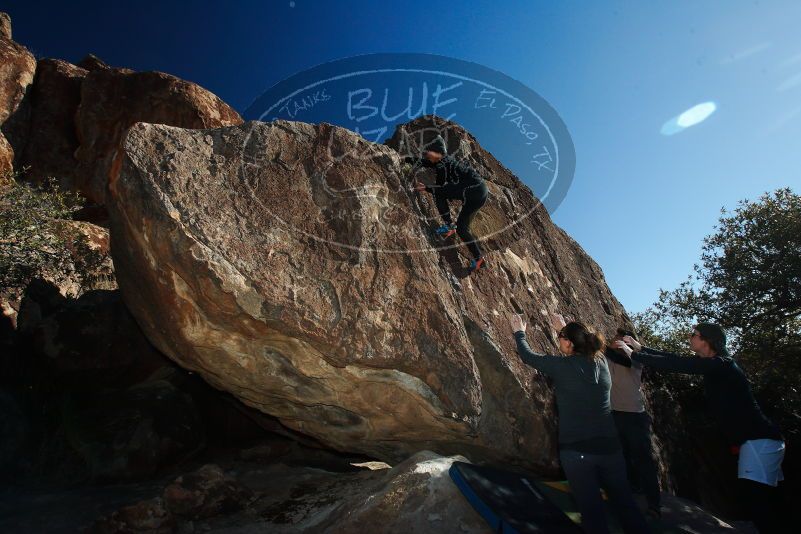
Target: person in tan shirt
[(633, 422)]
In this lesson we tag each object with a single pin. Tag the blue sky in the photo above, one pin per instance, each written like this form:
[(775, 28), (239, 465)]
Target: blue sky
[(616, 72)]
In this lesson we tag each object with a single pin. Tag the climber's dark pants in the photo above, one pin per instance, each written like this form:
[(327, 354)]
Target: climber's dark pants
[(587, 473), (472, 201), (760, 502), (634, 431)]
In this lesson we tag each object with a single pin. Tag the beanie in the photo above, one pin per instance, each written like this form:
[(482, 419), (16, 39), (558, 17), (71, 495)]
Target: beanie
[(437, 145)]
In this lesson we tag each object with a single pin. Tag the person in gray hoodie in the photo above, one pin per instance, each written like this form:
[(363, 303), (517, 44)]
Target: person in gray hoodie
[(589, 448)]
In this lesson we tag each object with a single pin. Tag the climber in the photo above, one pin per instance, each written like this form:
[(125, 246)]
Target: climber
[(753, 437), (632, 422), (456, 180), (589, 448)]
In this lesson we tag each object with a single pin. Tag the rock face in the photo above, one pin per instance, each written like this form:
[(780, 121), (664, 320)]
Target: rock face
[(52, 139), (114, 99), (90, 268), (5, 26), (289, 265), (92, 62), (416, 495), (17, 67), (6, 156), (207, 492)]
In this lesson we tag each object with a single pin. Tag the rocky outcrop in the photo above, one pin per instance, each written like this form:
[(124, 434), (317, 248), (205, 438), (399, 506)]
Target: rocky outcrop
[(207, 492), (134, 432), (6, 156), (5, 26), (66, 121), (52, 138), (202, 494), (416, 495), (289, 265), (114, 99), (17, 68), (92, 62), (89, 267)]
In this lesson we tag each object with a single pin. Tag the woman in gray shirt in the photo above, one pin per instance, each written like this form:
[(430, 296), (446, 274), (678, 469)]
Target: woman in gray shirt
[(589, 448)]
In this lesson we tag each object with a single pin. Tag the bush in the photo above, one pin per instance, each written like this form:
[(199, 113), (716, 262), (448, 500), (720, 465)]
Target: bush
[(34, 239)]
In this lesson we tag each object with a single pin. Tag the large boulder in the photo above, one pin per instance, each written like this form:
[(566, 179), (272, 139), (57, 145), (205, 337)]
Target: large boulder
[(111, 100), (417, 495), (288, 264), (52, 137), (17, 69)]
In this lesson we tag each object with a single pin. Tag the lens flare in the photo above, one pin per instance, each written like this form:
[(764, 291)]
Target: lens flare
[(691, 117)]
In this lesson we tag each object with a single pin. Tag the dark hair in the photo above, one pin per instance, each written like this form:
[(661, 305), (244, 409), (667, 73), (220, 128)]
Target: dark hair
[(585, 341), (714, 335)]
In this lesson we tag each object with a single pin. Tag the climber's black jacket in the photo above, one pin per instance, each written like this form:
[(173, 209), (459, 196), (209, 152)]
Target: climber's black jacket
[(728, 393), (454, 178)]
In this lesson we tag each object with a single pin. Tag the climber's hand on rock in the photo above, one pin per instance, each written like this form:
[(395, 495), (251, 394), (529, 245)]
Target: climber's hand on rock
[(622, 346), (633, 343), (419, 186), (517, 323)]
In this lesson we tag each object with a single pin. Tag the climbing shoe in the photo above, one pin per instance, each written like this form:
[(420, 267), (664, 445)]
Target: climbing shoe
[(446, 230), (476, 265)]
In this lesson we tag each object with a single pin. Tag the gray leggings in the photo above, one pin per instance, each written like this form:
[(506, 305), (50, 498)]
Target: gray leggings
[(587, 474)]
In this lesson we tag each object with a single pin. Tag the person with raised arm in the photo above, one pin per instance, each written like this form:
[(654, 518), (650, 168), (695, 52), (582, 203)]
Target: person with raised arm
[(633, 423), (589, 449), (757, 440)]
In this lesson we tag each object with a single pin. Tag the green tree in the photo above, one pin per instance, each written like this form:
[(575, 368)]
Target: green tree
[(749, 281)]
